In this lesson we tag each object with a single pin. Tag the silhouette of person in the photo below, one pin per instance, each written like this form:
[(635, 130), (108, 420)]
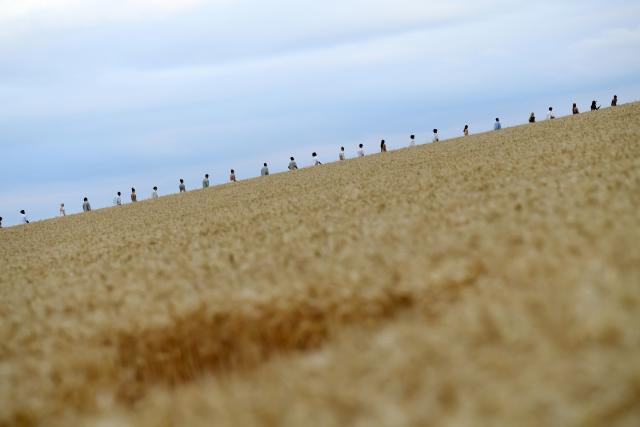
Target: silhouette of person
[(86, 207)]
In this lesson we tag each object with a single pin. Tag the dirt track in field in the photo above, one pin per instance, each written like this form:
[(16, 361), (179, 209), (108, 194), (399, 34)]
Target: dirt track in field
[(487, 280)]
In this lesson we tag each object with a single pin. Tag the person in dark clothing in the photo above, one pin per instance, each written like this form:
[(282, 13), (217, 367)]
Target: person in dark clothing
[(383, 146), (532, 118), (614, 101), (594, 107), (574, 109), (134, 196)]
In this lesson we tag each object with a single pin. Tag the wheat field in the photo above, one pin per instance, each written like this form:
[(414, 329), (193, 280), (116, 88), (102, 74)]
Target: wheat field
[(492, 280)]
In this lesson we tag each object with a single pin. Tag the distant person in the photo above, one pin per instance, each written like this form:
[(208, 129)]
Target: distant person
[(182, 187), (232, 176), (465, 131), (25, 220), (383, 146), (62, 211), (532, 118), (0, 222), (205, 181), (497, 125), (341, 154), (154, 193), (86, 207), (574, 109), (594, 107), (118, 199), (292, 164), (360, 150), (550, 115), (412, 141), (265, 170), (436, 138), (614, 101), (316, 162), (134, 196)]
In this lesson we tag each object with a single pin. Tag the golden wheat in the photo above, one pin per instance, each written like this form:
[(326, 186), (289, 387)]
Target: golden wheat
[(487, 280)]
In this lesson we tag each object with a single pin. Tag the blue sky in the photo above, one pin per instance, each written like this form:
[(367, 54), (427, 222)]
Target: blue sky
[(102, 95)]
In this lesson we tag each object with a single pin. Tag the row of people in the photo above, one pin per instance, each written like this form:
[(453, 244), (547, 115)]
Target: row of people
[(86, 206)]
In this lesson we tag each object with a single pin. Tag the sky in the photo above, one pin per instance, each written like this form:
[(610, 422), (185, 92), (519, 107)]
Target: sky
[(98, 96)]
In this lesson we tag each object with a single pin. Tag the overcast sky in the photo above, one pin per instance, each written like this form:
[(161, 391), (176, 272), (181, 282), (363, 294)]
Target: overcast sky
[(102, 95)]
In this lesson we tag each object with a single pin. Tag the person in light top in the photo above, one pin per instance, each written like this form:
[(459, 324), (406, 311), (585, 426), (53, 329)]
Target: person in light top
[(86, 207), (341, 154), (383, 146), (205, 181), (154, 193), (532, 118), (232, 176), (614, 101), (497, 125), (436, 138), (360, 150), (25, 220), (465, 131), (574, 109), (62, 211), (182, 187), (118, 199), (292, 164), (265, 170), (314, 156), (550, 115), (412, 141), (134, 196)]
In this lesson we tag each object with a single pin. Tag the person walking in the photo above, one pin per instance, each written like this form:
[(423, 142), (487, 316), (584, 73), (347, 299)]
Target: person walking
[(532, 118), (465, 131), (154, 193), (182, 187), (574, 109), (593, 106), (25, 220), (341, 155), (497, 125), (550, 115), (232, 176), (0, 222), (292, 164), (614, 101), (436, 138), (314, 156), (265, 170), (383, 146), (62, 211), (205, 181), (134, 196), (412, 141), (118, 199), (86, 207), (360, 150)]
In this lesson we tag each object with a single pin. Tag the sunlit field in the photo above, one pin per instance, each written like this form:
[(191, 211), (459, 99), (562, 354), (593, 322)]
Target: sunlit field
[(488, 280)]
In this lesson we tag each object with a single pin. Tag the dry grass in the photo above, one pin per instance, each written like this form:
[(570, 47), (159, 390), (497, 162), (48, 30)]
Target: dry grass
[(491, 280)]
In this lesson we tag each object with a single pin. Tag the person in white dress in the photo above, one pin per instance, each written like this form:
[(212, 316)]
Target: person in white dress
[(154, 194), (118, 199), (341, 154), (265, 170), (436, 138), (550, 115), (360, 150)]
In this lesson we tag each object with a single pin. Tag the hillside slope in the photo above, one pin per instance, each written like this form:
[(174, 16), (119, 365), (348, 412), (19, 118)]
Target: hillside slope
[(487, 280)]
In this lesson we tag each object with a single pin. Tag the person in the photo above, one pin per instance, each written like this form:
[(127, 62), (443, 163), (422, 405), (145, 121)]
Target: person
[(532, 118), (360, 150), (574, 109), (497, 125), (86, 207), (25, 220), (435, 136), (154, 193), (314, 156), (550, 115), (182, 187), (593, 106), (62, 211), (134, 196), (118, 199), (265, 170), (383, 146), (232, 176), (465, 131), (341, 154), (614, 101), (0, 222), (412, 141), (205, 181), (292, 164)]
